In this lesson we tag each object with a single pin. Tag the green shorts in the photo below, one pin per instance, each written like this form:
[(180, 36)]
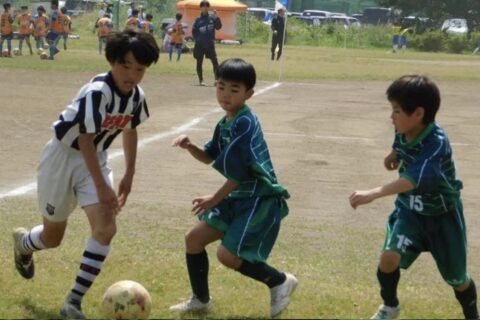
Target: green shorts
[(410, 233), (250, 226)]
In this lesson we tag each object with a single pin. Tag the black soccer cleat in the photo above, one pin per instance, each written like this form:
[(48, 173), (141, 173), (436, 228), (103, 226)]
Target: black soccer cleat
[(23, 262)]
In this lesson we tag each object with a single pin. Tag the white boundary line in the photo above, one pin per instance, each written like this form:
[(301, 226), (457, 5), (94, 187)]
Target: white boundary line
[(142, 143)]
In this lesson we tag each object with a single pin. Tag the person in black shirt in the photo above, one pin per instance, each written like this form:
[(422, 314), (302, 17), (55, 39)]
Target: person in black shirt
[(278, 30), (203, 32)]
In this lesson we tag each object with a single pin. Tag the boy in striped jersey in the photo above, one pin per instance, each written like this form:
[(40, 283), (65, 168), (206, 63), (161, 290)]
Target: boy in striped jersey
[(428, 213), (73, 166), (245, 212)]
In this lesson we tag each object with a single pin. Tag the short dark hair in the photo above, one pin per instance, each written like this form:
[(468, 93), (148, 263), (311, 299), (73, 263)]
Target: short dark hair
[(143, 46), (41, 8), (413, 91), (135, 12), (64, 10), (236, 69), (149, 16), (178, 16), (54, 3), (204, 3), (6, 6)]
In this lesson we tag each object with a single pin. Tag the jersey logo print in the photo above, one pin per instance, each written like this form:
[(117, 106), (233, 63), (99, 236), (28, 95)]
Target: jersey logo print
[(116, 122), (50, 209)]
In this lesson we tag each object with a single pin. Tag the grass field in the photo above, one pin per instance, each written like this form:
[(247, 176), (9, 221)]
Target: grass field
[(328, 127)]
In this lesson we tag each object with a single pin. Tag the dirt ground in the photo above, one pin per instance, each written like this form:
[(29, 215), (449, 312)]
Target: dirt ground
[(327, 139)]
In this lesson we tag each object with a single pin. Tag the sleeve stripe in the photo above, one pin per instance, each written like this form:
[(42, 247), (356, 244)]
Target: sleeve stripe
[(426, 161)]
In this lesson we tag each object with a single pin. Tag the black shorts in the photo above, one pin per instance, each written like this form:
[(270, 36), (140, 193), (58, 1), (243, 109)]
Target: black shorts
[(209, 52), (7, 36)]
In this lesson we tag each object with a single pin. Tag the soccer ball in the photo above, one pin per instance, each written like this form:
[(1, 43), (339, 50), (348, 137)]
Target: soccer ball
[(46, 46), (126, 299), (5, 53), (43, 55), (16, 51)]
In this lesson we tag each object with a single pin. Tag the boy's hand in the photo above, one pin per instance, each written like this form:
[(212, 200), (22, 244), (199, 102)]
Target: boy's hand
[(361, 197), (390, 161), (202, 204), (108, 198), (182, 141)]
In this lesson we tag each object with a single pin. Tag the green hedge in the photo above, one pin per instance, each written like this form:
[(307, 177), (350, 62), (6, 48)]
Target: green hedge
[(298, 33)]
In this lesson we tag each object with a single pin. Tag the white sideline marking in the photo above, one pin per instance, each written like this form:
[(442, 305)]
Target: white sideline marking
[(142, 143)]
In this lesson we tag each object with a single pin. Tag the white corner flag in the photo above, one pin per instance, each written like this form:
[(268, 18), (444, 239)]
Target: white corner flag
[(281, 4)]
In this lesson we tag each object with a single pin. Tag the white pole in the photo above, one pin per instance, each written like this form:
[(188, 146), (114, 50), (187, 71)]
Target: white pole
[(283, 47)]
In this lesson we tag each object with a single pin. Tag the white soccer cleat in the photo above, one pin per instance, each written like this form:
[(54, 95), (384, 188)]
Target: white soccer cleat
[(193, 305), (386, 312), (23, 260), (72, 310), (280, 295)]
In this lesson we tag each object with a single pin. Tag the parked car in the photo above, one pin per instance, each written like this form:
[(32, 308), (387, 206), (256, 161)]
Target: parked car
[(455, 26), (377, 15), (312, 21), (315, 13), (263, 14), (344, 20)]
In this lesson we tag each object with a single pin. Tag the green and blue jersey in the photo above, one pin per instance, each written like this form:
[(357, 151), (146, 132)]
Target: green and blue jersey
[(427, 163), (240, 153)]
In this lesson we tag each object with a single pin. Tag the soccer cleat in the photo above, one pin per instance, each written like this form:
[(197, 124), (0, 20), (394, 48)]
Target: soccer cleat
[(202, 83), (193, 305), (23, 261), (280, 295), (386, 312), (72, 310)]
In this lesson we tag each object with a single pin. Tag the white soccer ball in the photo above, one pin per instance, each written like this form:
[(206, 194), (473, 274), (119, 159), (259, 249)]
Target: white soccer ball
[(126, 299)]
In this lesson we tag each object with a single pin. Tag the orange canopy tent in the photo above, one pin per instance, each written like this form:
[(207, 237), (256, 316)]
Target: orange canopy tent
[(226, 10)]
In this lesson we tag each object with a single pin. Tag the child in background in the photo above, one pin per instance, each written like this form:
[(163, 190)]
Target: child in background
[(104, 27), (176, 41), (67, 26), (147, 24), (25, 28), (6, 28), (40, 27)]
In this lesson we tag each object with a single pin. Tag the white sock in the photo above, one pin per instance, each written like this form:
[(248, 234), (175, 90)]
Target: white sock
[(90, 266), (32, 242)]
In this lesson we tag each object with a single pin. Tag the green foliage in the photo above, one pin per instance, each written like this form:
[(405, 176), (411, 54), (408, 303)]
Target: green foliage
[(429, 41), (456, 44)]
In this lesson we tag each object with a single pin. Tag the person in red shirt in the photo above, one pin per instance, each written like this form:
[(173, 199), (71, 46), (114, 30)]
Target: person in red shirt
[(6, 25), (25, 29)]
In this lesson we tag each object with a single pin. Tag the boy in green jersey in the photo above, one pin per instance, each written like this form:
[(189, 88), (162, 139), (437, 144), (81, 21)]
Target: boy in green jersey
[(246, 211), (428, 214)]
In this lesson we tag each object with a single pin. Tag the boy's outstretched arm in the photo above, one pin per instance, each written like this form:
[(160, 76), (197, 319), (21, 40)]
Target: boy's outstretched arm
[(204, 203), (130, 142), (183, 141), (360, 197)]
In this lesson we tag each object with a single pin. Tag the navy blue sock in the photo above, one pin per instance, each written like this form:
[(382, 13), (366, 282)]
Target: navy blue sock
[(388, 287), (262, 272), (197, 265), (468, 300)]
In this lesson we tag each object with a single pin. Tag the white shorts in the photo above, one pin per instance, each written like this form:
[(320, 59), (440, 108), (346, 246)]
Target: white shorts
[(63, 180)]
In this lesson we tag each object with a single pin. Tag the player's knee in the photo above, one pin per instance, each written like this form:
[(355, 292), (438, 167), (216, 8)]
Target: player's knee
[(193, 243), (389, 261), (227, 259), (105, 234)]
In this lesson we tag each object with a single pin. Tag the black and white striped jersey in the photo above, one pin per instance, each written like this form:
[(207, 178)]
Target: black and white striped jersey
[(100, 108)]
